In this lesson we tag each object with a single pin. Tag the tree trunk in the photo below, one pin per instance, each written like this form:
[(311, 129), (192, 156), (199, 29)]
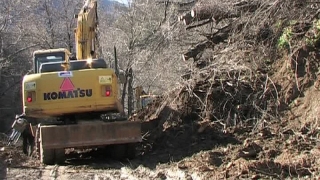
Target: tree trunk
[(1, 54), (202, 12), (196, 50), (211, 11), (1, 47), (130, 92), (50, 26), (124, 90), (215, 38)]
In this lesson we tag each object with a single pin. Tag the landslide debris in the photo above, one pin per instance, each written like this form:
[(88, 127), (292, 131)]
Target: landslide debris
[(252, 99)]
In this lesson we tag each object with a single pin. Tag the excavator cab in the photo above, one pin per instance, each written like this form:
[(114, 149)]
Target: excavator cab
[(41, 57), (142, 98), (146, 100)]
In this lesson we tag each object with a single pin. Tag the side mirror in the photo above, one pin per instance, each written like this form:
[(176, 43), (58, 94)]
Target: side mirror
[(122, 77)]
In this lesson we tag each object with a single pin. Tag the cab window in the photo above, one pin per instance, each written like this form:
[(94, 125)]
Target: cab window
[(47, 58)]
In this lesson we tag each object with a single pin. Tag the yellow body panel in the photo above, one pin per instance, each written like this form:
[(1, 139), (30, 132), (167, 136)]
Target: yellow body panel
[(49, 100)]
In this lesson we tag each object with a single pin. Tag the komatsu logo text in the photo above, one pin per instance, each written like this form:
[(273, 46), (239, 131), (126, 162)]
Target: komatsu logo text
[(78, 93), (67, 91)]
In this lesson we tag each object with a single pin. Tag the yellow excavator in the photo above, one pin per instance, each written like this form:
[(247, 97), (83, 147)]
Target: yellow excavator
[(143, 99), (74, 102)]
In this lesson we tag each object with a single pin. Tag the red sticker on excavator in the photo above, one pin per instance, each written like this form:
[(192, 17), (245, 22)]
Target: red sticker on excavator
[(67, 85)]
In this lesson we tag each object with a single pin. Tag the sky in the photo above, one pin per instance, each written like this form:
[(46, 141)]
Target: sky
[(123, 1)]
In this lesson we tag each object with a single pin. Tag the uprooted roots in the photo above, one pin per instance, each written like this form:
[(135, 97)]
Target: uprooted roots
[(229, 97)]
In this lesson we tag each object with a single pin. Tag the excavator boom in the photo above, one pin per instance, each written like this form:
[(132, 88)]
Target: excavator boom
[(85, 33)]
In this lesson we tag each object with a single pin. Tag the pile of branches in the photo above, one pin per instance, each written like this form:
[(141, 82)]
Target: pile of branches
[(229, 97), (219, 96)]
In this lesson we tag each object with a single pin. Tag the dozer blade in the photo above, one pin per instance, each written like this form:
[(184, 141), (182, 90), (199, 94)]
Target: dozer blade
[(93, 133)]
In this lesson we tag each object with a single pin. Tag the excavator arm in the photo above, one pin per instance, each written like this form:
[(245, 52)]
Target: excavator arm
[(85, 33)]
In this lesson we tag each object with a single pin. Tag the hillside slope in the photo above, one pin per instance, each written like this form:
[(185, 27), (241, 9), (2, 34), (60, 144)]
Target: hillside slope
[(253, 99)]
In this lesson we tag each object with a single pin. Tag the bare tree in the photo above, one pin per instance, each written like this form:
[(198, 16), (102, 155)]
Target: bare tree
[(141, 32), (13, 56), (26, 26)]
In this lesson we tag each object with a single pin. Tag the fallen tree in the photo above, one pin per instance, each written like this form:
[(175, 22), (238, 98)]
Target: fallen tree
[(204, 12), (211, 11), (212, 39)]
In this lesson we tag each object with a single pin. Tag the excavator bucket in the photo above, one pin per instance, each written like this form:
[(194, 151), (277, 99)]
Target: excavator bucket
[(88, 134)]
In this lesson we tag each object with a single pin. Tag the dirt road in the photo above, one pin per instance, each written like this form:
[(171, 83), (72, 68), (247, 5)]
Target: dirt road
[(168, 158), (87, 167), (181, 154)]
